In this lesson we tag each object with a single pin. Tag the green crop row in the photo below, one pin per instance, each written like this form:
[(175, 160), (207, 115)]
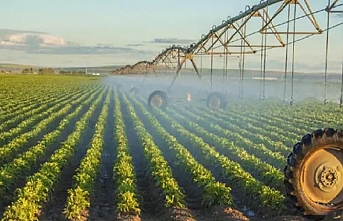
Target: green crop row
[(39, 186), (123, 171), (267, 173), (233, 171), (20, 166), (78, 201), (10, 150), (158, 166), (29, 118), (214, 192)]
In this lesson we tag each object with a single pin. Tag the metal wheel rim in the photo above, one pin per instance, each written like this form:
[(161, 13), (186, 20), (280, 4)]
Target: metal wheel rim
[(156, 101), (321, 178), (214, 103)]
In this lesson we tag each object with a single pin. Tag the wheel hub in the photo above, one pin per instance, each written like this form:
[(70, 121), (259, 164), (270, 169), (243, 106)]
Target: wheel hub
[(156, 101), (321, 176), (214, 102), (328, 177)]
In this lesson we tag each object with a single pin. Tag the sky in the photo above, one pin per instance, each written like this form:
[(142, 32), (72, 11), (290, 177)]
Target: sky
[(107, 32)]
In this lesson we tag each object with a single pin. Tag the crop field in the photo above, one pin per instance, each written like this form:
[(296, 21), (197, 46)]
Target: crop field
[(75, 148)]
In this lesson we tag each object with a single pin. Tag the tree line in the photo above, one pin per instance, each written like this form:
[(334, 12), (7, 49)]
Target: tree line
[(51, 71)]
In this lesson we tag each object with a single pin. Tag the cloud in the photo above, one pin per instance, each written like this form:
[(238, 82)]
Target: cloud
[(34, 48), (4, 32), (134, 45), (104, 45), (172, 41), (87, 50), (34, 43)]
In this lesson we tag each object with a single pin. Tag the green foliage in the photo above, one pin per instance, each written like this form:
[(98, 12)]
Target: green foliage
[(35, 193), (123, 171), (214, 192), (20, 166), (46, 71), (72, 73), (158, 166), (86, 174), (233, 171), (248, 144)]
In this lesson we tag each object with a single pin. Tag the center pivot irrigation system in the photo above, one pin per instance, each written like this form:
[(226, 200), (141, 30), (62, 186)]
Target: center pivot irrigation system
[(231, 39), (314, 170)]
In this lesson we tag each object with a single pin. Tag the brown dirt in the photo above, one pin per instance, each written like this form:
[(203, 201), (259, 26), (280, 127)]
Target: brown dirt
[(288, 218), (179, 214), (129, 217), (218, 213)]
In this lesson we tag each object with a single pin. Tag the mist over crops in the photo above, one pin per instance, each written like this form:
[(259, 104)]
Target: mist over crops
[(305, 86)]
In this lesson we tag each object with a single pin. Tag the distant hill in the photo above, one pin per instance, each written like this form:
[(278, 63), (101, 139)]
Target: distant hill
[(17, 68), (107, 68), (99, 69)]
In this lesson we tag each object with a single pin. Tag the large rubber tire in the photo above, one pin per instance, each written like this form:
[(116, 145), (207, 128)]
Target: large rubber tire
[(216, 100), (297, 188), (162, 98)]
